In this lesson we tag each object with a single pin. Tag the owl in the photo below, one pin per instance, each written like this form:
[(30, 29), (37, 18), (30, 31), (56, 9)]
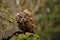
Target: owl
[(26, 21)]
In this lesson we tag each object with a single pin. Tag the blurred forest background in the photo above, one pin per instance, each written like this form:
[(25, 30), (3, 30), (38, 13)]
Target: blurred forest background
[(47, 14)]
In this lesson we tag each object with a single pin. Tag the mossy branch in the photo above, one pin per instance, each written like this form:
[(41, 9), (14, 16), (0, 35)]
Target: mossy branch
[(6, 11)]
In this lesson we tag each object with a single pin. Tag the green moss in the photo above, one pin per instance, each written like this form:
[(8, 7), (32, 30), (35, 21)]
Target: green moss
[(28, 36)]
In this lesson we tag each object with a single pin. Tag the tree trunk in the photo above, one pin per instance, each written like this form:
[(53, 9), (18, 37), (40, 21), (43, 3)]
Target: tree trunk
[(44, 9)]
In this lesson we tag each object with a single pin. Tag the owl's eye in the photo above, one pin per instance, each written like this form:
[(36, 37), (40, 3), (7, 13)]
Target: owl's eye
[(30, 20), (20, 17)]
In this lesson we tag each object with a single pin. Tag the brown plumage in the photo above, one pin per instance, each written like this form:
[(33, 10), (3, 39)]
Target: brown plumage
[(26, 21)]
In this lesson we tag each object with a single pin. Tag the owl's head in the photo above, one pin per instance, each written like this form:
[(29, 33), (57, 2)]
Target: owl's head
[(24, 17)]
